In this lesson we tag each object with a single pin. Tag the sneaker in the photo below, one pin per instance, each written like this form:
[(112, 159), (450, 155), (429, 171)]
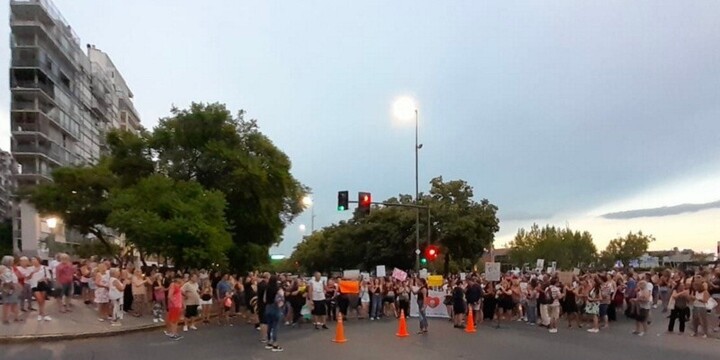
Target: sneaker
[(176, 337), (40, 318), (185, 328), (553, 331), (168, 334), (47, 318), (155, 320), (277, 349), (115, 323), (593, 330), (324, 327), (161, 320), (641, 334), (268, 347), (193, 327), (372, 318), (263, 341)]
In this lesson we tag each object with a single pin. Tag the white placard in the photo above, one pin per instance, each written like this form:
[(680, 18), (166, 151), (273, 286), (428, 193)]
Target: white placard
[(540, 264), (380, 271), (462, 276), (492, 271), (553, 265), (435, 307), (423, 273), (351, 274), (365, 275)]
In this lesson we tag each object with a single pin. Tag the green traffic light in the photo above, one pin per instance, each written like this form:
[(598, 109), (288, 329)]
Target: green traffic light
[(423, 261), (341, 208)]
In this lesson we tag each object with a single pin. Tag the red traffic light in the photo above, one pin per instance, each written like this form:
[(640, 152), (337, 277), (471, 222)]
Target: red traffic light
[(431, 252), (364, 200)]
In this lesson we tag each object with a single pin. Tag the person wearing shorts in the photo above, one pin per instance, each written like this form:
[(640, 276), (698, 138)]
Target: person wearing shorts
[(191, 294), (316, 293), (175, 308)]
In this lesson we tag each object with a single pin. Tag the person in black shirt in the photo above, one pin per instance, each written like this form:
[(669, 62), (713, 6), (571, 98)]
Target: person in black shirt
[(473, 296), (261, 303)]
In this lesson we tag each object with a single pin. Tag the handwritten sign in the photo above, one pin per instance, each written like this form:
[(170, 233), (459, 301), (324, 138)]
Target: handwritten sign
[(380, 271), (435, 280), (492, 271), (399, 274)]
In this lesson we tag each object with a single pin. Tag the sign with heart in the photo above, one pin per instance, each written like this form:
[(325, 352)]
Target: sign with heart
[(433, 301)]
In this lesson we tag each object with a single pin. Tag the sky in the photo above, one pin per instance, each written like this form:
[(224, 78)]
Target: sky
[(597, 115)]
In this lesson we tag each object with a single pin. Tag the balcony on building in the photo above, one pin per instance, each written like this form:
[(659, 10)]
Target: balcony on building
[(29, 16)]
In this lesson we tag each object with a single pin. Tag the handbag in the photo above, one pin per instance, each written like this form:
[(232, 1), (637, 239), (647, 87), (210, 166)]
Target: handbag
[(711, 304)]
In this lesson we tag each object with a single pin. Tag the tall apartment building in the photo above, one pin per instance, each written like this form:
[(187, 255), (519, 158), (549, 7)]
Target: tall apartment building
[(8, 170), (63, 101)]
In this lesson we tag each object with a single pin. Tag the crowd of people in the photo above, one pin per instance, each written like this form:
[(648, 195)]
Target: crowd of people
[(592, 299)]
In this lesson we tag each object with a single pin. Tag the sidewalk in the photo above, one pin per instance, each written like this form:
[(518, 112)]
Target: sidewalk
[(82, 322)]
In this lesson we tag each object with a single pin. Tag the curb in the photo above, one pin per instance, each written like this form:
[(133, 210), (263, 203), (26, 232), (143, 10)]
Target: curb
[(19, 339)]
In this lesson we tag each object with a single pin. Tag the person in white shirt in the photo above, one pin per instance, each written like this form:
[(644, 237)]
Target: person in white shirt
[(316, 294), (40, 286), (23, 271)]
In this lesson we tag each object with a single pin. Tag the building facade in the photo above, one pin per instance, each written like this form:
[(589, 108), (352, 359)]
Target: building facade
[(63, 101), (8, 170)]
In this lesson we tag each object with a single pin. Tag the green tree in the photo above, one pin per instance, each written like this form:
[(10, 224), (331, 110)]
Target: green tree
[(625, 249), (205, 143), (178, 219), (78, 195), (464, 227), (386, 236), (566, 247)]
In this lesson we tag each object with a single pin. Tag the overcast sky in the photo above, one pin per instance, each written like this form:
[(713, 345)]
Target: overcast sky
[(559, 112)]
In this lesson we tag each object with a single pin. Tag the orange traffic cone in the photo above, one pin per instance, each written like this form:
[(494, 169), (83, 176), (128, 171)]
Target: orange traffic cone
[(470, 326), (339, 331), (402, 325)]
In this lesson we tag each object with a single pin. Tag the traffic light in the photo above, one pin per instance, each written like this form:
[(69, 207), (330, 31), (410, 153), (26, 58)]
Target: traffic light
[(431, 252), (343, 199), (423, 261), (364, 202)]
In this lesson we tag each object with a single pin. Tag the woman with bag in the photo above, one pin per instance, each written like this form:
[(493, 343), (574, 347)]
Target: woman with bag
[(700, 296), (116, 294), (10, 290), (40, 286)]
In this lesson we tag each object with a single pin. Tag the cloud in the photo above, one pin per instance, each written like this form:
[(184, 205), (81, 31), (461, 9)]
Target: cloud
[(661, 211)]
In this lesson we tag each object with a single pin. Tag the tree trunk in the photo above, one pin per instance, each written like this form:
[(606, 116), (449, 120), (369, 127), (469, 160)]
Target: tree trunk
[(446, 266), (100, 236), (142, 258)]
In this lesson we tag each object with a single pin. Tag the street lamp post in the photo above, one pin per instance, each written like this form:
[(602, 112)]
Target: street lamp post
[(417, 196), (308, 203), (404, 109)]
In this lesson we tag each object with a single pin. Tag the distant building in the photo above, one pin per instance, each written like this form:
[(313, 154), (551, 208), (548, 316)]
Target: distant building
[(63, 102), (8, 170), (497, 255)]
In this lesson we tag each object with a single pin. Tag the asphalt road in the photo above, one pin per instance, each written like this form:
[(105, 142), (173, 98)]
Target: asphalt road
[(377, 340)]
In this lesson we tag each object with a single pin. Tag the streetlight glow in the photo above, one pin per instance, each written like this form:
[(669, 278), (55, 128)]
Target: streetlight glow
[(302, 228), (404, 108), (307, 201), (51, 222)]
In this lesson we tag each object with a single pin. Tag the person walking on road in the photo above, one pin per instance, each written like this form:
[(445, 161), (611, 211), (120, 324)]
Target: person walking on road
[(422, 294), (275, 302)]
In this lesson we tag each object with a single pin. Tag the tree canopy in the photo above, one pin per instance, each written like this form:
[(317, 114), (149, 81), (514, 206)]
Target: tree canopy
[(202, 187), (463, 229), (626, 248), (566, 247)]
